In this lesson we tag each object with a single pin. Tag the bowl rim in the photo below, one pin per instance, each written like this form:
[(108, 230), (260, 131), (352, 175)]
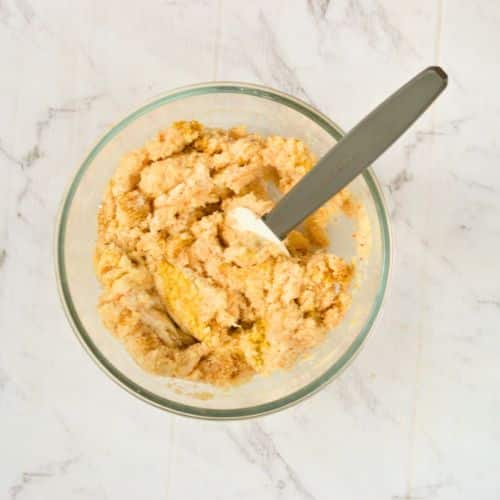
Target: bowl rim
[(189, 410)]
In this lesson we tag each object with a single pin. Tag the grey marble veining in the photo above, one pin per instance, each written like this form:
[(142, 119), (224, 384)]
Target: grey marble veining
[(416, 415)]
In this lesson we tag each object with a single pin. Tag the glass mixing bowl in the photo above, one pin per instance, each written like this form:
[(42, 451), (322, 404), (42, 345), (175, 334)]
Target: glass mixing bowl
[(262, 110)]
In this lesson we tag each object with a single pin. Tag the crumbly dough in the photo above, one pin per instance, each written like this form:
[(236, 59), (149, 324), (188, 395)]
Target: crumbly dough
[(187, 294)]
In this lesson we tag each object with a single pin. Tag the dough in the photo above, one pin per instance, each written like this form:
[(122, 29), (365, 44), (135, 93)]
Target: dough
[(187, 294)]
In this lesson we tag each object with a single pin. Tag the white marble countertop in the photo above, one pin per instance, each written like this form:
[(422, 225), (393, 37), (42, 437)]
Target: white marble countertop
[(417, 415)]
